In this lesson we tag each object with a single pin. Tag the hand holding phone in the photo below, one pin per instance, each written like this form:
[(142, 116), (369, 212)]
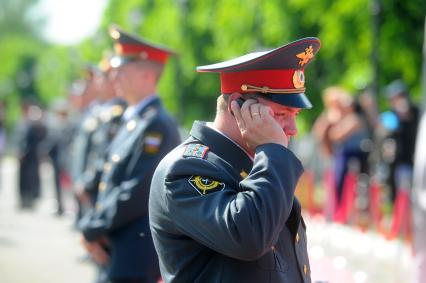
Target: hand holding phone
[(257, 124), (240, 101)]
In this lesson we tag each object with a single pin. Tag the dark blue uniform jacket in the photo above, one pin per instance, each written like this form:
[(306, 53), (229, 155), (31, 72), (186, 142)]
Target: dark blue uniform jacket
[(218, 216), (121, 212)]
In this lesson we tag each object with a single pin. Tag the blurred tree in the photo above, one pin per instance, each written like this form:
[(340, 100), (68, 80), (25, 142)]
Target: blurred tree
[(424, 71), (57, 67), (208, 31), (16, 17), (20, 46)]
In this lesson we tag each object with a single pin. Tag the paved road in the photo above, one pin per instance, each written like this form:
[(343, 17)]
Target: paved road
[(37, 246), (342, 254)]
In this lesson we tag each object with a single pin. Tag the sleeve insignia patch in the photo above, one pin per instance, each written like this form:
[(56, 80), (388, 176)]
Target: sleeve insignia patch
[(152, 142), (205, 185), (195, 150)]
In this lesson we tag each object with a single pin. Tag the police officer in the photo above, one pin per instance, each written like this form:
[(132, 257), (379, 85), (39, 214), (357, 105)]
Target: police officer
[(82, 146), (119, 223), (57, 146), (108, 119), (222, 204), (110, 109)]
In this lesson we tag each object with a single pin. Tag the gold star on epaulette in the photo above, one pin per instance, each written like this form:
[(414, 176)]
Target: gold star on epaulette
[(117, 110), (243, 174), (305, 56)]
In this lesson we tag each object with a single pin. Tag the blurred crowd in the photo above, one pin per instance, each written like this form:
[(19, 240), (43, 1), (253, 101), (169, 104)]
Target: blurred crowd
[(367, 155)]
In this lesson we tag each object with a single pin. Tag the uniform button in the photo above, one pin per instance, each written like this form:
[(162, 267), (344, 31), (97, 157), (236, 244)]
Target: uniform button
[(107, 167), (305, 268), (102, 186), (243, 174), (131, 125), (273, 248), (98, 206), (115, 157), (297, 237)]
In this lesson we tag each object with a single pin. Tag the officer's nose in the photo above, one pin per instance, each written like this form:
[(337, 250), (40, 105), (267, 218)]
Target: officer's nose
[(290, 127)]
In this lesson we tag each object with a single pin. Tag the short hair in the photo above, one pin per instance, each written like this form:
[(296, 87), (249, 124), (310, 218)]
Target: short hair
[(223, 100), (222, 103)]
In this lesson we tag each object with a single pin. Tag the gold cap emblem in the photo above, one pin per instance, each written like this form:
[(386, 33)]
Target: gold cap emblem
[(299, 79)]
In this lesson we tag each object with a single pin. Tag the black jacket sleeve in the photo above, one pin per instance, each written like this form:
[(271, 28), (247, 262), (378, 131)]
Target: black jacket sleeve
[(241, 222)]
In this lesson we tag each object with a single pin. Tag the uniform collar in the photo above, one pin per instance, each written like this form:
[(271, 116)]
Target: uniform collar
[(210, 125), (223, 147), (139, 108), (114, 101)]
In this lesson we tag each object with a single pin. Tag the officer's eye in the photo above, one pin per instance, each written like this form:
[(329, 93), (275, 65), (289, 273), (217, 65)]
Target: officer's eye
[(287, 114), (280, 114)]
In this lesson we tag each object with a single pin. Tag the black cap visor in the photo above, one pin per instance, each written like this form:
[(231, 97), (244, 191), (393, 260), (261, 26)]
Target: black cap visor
[(296, 100)]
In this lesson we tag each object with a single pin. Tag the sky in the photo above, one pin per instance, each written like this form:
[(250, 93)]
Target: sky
[(70, 21)]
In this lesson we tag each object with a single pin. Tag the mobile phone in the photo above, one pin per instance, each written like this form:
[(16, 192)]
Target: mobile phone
[(240, 102)]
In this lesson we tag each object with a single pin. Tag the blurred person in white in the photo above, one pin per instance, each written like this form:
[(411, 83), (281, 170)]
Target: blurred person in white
[(2, 136), (419, 202)]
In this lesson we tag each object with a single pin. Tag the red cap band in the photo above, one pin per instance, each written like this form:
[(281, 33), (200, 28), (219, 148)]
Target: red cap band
[(143, 51), (273, 79)]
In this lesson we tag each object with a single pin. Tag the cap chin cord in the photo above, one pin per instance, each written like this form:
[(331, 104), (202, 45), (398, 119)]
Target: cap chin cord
[(265, 89)]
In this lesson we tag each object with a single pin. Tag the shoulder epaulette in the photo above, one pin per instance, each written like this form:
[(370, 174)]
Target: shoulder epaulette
[(195, 150)]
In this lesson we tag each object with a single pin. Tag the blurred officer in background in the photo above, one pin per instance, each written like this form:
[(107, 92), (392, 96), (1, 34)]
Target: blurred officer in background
[(116, 232), (222, 204), (58, 142), (31, 132), (108, 114), (109, 118), (82, 147)]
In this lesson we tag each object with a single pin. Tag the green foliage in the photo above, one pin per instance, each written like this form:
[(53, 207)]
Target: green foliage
[(209, 31), (57, 67), (19, 49), (15, 50)]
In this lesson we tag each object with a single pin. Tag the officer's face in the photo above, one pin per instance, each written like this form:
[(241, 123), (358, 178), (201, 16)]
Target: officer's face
[(122, 79), (129, 77), (113, 78), (284, 115), (108, 86)]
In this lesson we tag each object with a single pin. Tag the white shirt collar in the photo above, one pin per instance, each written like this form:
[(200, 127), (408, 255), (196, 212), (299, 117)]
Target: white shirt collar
[(133, 109)]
